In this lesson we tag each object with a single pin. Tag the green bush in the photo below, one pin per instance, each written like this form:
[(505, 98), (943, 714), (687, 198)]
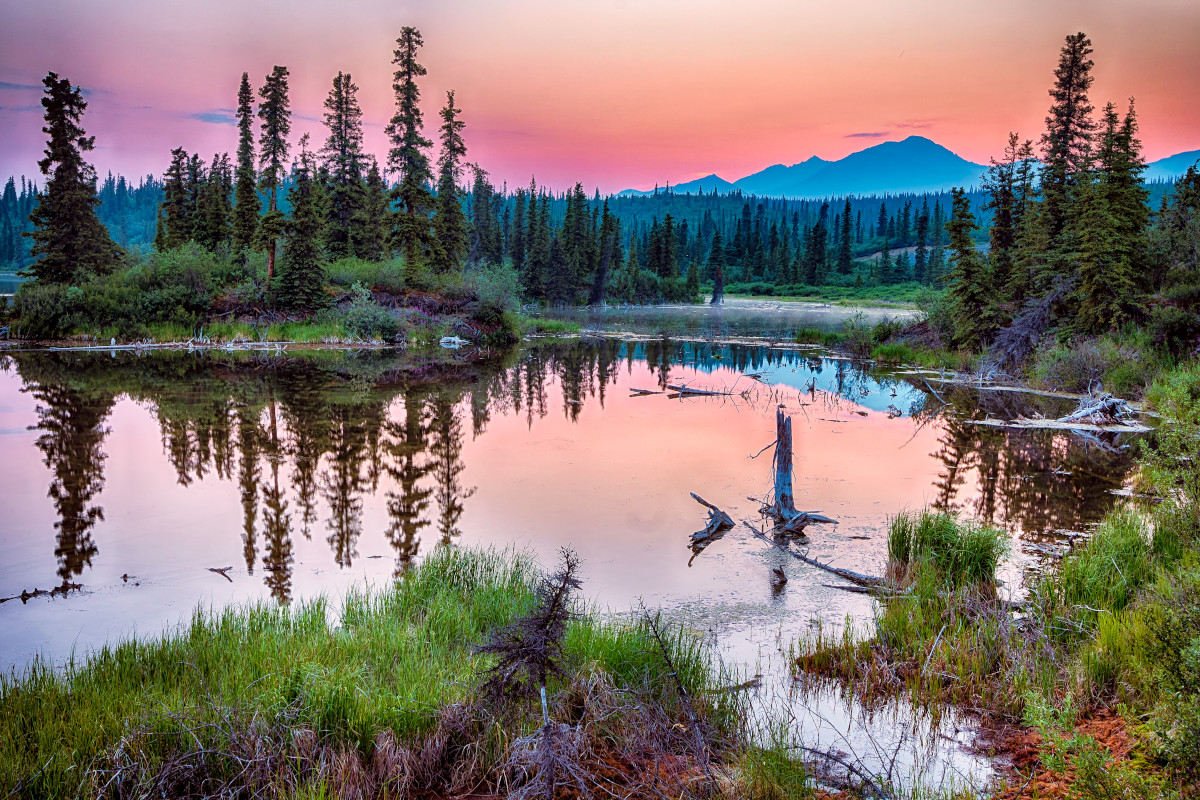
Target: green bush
[(1076, 366), (894, 353), (367, 319), (857, 336), (497, 290), (1175, 330)]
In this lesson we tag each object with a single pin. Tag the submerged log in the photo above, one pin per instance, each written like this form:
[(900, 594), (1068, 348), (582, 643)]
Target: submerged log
[(873, 582), (683, 390)]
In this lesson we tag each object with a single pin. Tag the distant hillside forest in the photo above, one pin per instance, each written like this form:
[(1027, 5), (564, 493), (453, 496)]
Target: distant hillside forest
[(1069, 219), (765, 239)]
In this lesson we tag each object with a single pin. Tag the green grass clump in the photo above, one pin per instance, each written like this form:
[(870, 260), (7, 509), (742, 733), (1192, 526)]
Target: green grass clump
[(960, 553), (894, 353), (388, 662), (544, 326), (818, 336)]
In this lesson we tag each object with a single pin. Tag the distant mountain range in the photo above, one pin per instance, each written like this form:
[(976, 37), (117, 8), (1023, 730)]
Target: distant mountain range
[(915, 164)]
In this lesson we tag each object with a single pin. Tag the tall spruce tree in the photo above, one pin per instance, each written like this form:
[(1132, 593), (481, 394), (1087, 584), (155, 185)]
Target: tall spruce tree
[(302, 279), (1109, 227), (275, 116), (1000, 184), (971, 293), (174, 225), (845, 263), (921, 253), (407, 156), (371, 223), (1066, 144), (343, 160), (246, 205), (716, 264), (449, 221), (69, 241)]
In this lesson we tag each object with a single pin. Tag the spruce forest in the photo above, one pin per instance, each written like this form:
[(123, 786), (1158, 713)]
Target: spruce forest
[(289, 227)]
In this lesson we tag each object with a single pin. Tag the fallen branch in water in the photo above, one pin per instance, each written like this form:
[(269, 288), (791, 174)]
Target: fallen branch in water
[(718, 520), (25, 595), (682, 389), (869, 581)]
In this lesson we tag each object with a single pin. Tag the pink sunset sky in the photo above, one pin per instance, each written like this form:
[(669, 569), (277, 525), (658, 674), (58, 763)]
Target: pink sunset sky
[(613, 93)]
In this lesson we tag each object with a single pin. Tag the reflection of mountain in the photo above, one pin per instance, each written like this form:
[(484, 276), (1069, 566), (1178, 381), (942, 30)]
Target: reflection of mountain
[(309, 440)]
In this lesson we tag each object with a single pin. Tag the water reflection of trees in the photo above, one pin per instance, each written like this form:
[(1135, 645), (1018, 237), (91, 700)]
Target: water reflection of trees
[(72, 425), (308, 437), (1037, 481)]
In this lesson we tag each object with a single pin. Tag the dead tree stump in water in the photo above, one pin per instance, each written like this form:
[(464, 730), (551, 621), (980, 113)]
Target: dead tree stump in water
[(783, 512)]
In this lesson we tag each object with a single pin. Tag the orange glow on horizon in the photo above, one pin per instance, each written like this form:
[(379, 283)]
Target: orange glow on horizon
[(613, 94)]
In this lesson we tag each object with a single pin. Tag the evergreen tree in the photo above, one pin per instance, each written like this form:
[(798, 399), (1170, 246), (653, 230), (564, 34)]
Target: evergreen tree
[(921, 254), (407, 156), (215, 229), (343, 162), (302, 279), (275, 117), (610, 248), (516, 239), (370, 225), (246, 204), (174, 214), (1109, 226), (716, 264), (1000, 183), (692, 282), (1121, 165), (449, 223), (69, 241), (971, 292), (845, 263), (1066, 144)]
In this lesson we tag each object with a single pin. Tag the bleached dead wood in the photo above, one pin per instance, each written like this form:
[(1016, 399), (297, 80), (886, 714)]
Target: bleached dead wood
[(782, 510), (682, 389), (718, 521), (1059, 425)]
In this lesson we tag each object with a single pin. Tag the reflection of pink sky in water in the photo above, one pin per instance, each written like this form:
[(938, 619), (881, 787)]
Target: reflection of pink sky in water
[(614, 485)]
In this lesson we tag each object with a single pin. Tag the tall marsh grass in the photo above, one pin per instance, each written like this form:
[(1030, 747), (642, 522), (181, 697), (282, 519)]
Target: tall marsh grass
[(382, 667)]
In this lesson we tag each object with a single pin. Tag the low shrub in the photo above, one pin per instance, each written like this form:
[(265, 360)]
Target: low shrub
[(1077, 366), (497, 290), (367, 319)]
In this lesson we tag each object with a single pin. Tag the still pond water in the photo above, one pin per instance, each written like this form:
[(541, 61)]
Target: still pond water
[(130, 477)]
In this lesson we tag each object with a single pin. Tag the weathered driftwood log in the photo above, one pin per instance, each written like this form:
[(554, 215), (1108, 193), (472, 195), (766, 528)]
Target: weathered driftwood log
[(718, 521), (682, 389), (642, 392), (1103, 409), (782, 511)]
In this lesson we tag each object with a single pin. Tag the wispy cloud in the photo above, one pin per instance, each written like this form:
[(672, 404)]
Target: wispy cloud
[(866, 135), (5, 86), (217, 116), (20, 109)]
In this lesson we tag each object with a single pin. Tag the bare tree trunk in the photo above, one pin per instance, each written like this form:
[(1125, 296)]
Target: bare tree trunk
[(783, 461)]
